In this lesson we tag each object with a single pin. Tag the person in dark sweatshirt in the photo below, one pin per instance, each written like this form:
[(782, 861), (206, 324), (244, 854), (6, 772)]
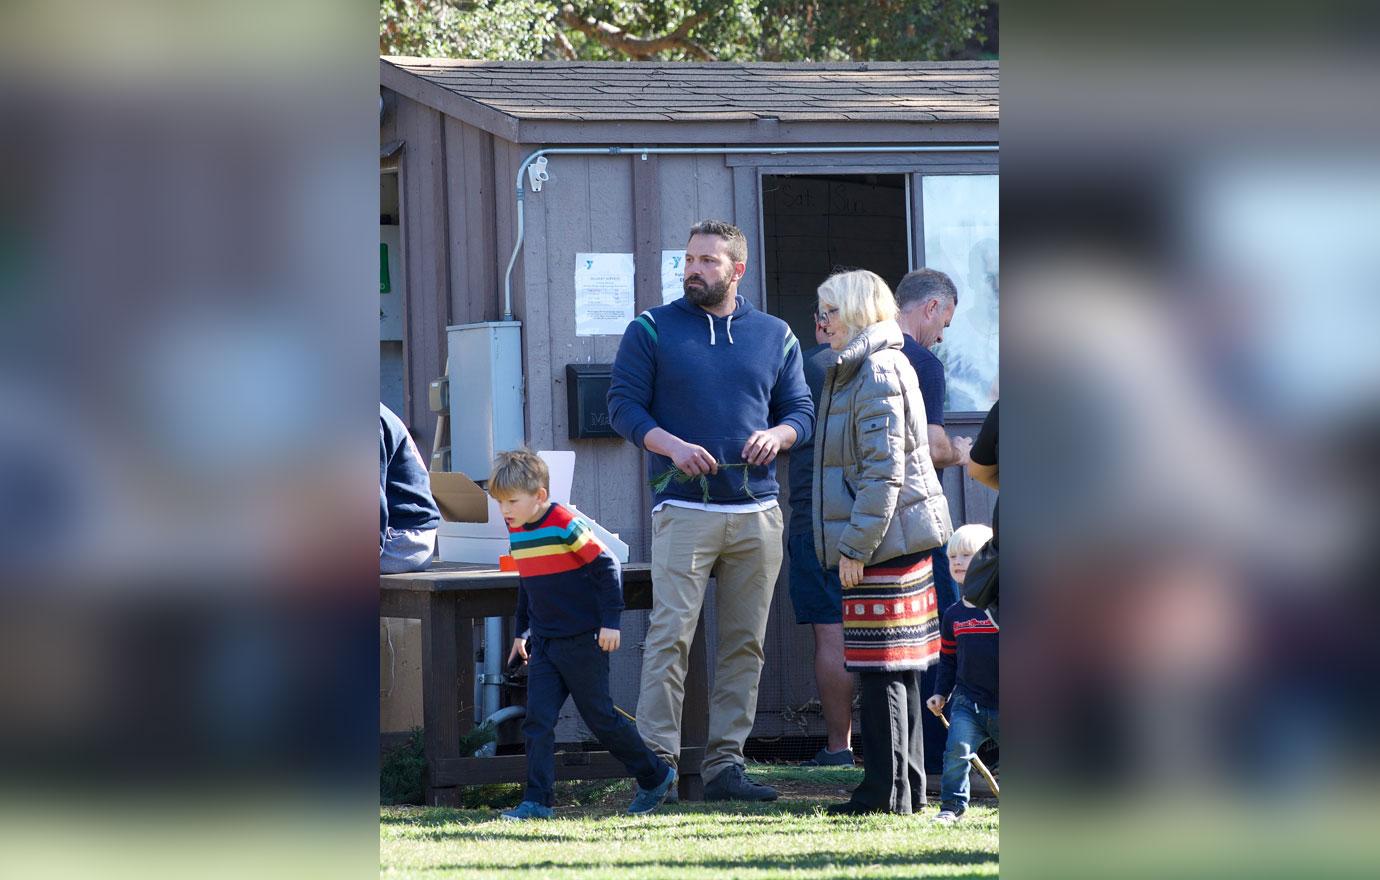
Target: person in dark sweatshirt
[(712, 388), (408, 516), (968, 656), (570, 599), (816, 593)]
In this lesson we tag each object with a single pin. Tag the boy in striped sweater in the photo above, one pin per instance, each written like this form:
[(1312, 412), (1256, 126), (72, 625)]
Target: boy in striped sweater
[(968, 671), (570, 598)]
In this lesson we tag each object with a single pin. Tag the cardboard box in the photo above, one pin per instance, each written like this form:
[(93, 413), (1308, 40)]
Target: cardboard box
[(459, 497), (473, 530), (462, 548)]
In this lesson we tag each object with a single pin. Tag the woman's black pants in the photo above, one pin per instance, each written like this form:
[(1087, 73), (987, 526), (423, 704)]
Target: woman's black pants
[(892, 741)]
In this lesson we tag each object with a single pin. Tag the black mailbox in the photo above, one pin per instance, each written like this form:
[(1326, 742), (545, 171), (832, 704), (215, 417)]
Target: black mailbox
[(587, 399)]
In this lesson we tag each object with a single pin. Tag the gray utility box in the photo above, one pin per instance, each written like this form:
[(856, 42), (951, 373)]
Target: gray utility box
[(484, 364)]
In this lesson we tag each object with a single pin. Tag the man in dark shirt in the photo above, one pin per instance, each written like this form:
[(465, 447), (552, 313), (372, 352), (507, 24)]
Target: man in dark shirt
[(983, 456), (927, 299), (816, 593)]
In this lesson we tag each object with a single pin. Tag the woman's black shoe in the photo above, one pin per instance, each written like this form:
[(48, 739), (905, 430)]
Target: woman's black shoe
[(851, 808)]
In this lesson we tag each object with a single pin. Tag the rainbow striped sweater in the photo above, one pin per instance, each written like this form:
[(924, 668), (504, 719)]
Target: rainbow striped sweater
[(570, 583)]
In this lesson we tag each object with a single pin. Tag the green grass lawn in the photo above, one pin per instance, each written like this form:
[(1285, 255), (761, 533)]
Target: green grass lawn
[(592, 837)]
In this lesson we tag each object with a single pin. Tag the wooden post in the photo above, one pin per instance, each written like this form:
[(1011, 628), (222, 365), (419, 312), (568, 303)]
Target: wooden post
[(447, 677)]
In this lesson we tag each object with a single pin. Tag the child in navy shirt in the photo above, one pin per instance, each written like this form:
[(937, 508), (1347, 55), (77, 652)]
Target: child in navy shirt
[(968, 669), (570, 598)]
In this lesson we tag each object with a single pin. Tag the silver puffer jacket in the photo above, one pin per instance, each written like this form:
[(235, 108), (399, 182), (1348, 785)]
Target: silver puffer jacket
[(876, 495)]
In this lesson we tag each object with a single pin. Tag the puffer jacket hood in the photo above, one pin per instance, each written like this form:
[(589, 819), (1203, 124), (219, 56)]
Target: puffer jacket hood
[(876, 494)]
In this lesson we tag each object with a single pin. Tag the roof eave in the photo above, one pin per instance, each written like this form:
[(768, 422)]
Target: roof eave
[(467, 110), (746, 132)]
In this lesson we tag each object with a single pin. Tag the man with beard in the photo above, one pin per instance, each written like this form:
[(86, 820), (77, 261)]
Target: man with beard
[(927, 299), (713, 387)]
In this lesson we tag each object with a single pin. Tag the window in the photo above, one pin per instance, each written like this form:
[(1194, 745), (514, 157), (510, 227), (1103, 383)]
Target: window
[(961, 235)]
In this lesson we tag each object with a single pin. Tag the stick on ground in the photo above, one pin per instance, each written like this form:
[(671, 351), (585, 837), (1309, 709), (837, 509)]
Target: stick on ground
[(977, 762)]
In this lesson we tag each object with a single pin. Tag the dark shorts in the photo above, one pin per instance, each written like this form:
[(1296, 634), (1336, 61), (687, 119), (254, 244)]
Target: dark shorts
[(816, 594)]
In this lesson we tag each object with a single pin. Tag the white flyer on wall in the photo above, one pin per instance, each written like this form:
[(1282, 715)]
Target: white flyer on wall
[(603, 294), (672, 275)]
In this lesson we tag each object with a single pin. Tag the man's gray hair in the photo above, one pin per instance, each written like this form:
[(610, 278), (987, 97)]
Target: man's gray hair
[(923, 284), (732, 235)]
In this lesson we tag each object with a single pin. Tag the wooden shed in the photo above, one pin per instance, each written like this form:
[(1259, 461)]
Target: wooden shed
[(886, 166)]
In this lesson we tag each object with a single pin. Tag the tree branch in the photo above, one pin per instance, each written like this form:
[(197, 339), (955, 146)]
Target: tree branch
[(563, 43), (637, 48)]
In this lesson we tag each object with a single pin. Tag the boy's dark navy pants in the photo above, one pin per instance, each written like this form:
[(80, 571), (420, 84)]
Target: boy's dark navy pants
[(575, 666)]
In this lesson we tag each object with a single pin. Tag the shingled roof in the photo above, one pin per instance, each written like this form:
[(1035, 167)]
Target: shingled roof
[(506, 93)]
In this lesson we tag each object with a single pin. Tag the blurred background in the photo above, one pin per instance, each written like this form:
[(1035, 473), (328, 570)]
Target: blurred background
[(1189, 204), (188, 398)]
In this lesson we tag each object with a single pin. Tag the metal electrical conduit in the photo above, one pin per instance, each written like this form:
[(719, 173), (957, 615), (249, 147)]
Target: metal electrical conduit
[(535, 163)]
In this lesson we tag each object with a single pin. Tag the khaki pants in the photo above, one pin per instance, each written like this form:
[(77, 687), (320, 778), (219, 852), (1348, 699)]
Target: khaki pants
[(743, 553)]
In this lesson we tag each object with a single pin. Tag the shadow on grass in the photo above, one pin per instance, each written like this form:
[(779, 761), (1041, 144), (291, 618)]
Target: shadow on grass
[(488, 823), (427, 816), (844, 861), (760, 814), (488, 829)]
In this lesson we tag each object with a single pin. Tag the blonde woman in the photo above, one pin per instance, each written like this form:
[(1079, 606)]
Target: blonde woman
[(878, 511)]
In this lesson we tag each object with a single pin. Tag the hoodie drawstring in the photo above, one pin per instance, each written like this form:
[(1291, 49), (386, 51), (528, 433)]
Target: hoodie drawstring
[(713, 339)]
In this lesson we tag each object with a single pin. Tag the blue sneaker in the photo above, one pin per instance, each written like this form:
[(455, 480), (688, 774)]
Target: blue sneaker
[(648, 799), (528, 810), (826, 758)]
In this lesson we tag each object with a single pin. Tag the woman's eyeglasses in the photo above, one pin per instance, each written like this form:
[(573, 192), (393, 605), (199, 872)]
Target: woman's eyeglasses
[(825, 316)]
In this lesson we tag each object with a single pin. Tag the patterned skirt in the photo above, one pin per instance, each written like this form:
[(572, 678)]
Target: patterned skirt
[(891, 618)]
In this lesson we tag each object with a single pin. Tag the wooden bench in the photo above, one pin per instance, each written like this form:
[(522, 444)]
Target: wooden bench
[(449, 599)]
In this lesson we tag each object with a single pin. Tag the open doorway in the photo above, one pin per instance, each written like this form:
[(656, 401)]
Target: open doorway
[(812, 225), (816, 224), (391, 374)]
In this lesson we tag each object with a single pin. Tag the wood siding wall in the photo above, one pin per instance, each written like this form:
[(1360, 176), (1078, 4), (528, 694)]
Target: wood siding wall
[(458, 229)]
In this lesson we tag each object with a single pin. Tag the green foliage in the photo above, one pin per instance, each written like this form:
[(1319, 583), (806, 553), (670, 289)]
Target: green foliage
[(663, 479), (402, 776), (880, 30), (724, 30), (496, 30)]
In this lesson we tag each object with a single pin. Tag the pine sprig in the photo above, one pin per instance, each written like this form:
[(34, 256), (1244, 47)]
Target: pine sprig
[(661, 481)]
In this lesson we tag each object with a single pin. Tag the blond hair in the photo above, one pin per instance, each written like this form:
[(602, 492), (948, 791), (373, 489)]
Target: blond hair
[(520, 470), (967, 540), (862, 298)]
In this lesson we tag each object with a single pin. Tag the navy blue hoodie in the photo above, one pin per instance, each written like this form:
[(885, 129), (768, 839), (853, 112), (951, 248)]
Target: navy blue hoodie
[(968, 655), (710, 381)]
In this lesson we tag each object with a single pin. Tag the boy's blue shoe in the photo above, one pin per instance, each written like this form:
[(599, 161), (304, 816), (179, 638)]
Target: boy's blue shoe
[(826, 758), (648, 799), (528, 810)]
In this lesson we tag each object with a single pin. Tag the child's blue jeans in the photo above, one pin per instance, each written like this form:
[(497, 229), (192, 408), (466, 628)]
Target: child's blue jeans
[(575, 666), (970, 725)]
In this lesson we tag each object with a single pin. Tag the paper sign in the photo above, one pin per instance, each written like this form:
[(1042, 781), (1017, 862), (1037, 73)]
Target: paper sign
[(603, 294), (672, 275)]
